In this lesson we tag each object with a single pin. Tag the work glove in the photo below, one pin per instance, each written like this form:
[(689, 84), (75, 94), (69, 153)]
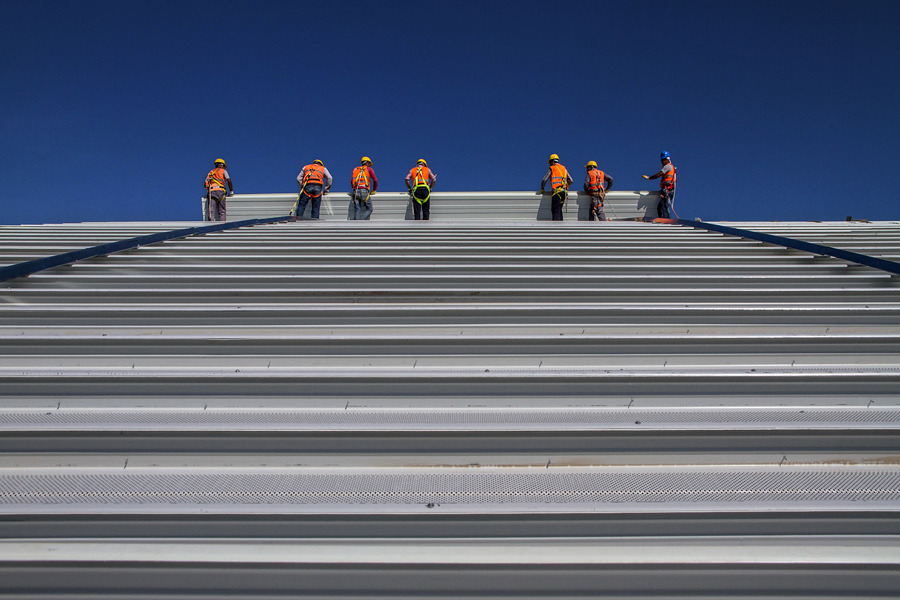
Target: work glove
[(231, 193), (645, 176)]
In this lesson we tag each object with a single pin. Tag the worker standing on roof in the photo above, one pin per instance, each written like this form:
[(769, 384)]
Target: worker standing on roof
[(419, 183), (560, 180), (314, 181), (215, 191), (363, 184), (666, 185), (597, 183)]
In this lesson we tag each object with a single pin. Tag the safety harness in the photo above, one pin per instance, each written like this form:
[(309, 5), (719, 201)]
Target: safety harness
[(420, 180)]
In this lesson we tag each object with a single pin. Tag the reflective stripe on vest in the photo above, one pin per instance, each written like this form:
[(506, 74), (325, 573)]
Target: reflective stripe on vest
[(668, 180), (361, 177), (596, 181), (215, 179), (559, 177)]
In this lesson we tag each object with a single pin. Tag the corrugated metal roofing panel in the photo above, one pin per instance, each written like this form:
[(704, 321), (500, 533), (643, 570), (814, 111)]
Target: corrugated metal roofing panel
[(564, 389)]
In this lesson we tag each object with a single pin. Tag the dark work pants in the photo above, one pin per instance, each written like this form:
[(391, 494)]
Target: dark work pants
[(312, 191), (665, 197), (556, 204), (421, 211)]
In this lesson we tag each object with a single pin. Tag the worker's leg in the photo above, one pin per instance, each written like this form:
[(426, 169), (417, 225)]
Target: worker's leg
[(363, 206), (215, 197), (301, 205), (315, 194), (662, 209), (556, 204), (365, 211)]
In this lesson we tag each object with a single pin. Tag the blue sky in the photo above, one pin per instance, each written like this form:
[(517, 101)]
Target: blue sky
[(771, 110)]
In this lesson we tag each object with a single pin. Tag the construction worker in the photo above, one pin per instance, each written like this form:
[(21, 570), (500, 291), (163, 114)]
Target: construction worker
[(419, 183), (214, 209), (666, 185), (597, 183), (363, 184), (314, 181), (560, 180)]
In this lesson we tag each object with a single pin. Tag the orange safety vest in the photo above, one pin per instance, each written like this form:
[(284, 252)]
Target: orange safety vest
[(668, 180), (559, 177), (420, 176), (596, 181), (313, 174), (215, 179), (361, 177)]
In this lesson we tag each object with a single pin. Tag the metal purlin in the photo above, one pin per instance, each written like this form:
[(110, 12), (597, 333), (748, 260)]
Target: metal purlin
[(854, 257), (40, 264)]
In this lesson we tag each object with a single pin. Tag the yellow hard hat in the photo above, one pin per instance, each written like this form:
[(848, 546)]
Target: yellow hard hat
[(364, 160), (318, 162), (552, 158), (220, 160), (591, 163), (422, 160)]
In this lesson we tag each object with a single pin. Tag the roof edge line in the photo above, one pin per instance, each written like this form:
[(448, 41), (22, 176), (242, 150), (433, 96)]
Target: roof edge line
[(31, 267), (854, 257)]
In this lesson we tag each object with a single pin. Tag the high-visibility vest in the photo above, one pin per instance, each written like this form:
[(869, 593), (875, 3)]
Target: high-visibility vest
[(313, 174), (596, 180), (361, 177), (559, 177), (420, 176), (215, 179), (668, 180)]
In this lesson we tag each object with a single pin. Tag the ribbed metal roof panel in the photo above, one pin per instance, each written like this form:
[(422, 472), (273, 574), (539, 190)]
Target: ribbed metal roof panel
[(428, 386)]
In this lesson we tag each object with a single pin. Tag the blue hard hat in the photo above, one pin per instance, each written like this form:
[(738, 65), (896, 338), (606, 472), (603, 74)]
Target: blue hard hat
[(663, 155)]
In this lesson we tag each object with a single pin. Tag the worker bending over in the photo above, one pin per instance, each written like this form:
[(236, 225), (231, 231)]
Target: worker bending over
[(314, 181)]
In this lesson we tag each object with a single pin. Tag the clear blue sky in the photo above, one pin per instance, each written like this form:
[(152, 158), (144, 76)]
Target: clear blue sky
[(771, 110)]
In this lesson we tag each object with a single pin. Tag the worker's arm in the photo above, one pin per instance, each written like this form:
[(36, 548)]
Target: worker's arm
[(546, 179), (587, 181), (657, 176), (230, 187), (433, 178), (328, 181), (408, 186), (609, 182), (374, 179)]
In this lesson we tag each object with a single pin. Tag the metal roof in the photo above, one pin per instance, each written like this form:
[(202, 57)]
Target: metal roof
[(457, 407)]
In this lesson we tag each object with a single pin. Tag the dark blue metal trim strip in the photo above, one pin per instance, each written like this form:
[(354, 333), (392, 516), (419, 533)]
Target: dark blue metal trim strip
[(39, 264), (862, 259)]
